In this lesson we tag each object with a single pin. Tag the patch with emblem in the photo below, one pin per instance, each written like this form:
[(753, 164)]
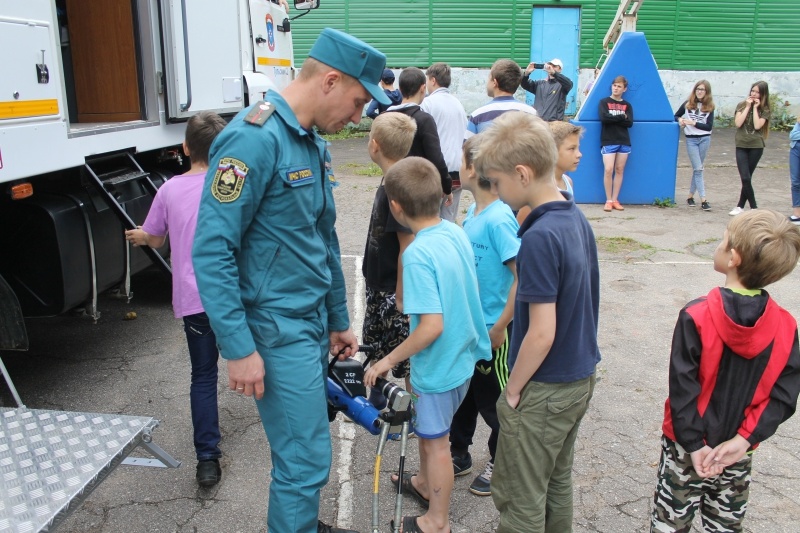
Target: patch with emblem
[(331, 177), (259, 113), (229, 179), (298, 176)]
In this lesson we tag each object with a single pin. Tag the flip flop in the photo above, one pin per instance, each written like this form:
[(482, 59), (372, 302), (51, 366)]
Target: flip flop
[(408, 488), (409, 525)]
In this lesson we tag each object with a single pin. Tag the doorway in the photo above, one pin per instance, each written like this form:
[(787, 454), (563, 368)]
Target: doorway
[(555, 32)]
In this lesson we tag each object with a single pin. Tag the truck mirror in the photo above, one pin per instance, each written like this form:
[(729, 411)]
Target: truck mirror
[(313, 4)]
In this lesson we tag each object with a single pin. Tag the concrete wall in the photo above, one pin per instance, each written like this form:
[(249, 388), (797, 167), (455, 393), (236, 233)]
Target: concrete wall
[(729, 88)]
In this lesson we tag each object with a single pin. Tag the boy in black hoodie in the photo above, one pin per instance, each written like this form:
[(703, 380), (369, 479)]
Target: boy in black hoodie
[(734, 377), (426, 142)]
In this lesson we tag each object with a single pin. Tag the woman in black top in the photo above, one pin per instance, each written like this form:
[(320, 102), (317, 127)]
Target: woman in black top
[(616, 116), (752, 128)]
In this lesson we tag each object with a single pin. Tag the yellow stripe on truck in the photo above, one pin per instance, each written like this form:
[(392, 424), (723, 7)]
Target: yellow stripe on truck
[(274, 62), (28, 108)]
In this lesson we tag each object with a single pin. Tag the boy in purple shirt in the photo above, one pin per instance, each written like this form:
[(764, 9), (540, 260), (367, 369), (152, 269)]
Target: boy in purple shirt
[(174, 210)]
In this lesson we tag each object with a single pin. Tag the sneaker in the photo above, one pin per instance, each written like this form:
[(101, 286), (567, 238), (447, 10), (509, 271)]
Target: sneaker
[(618, 206), (325, 528), (462, 464), (208, 473), (706, 206), (794, 220), (735, 211), (482, 484), (608, 207), (690, 201)]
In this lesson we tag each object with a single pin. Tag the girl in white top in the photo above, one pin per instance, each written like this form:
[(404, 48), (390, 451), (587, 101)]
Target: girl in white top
[(696, 115)]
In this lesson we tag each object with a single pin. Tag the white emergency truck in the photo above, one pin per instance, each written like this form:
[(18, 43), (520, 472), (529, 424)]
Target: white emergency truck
[(94, 95)]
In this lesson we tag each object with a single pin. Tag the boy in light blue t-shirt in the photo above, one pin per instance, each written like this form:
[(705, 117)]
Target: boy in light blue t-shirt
[(492, 230), (448, 333)]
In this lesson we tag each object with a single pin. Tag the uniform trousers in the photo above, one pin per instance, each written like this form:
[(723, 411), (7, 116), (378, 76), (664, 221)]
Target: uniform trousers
[(294, 414)]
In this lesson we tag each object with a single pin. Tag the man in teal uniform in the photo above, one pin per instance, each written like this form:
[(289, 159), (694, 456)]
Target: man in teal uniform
[(267, 262)]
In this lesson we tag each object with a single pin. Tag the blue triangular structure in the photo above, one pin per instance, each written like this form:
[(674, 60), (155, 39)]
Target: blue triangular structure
[(650, 171)]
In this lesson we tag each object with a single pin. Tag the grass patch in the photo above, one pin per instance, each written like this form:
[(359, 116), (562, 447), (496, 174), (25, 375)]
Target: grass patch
[(624, 245), (663, 202), (346, 133), (370, 170), (706, 241)]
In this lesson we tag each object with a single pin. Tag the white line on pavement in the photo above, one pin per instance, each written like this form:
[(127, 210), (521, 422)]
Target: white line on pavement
[(347, 431)]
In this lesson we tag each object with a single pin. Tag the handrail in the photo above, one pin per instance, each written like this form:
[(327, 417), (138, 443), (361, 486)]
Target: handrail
[(628, 9), (185, 107)]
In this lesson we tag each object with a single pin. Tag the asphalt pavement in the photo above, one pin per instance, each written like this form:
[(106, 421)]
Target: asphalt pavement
[(653, 261)]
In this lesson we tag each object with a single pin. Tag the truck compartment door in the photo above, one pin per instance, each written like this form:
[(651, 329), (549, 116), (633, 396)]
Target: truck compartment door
[(202, 60)]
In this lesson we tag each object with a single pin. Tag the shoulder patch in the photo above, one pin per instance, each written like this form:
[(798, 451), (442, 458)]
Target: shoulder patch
[(259, 114), (229, 179)]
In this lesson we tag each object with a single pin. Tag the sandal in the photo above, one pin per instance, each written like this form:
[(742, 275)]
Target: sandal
[(409, 525), (411, 490), (608, 207)]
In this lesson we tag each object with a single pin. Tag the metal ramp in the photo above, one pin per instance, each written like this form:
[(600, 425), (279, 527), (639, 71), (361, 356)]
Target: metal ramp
[(50, 461)]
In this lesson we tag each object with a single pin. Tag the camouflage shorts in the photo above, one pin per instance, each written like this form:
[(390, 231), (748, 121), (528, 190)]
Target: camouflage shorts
[(385, 328), (722, 500)]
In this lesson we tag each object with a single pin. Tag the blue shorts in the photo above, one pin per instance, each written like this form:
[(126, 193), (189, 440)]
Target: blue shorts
[(615, 149), (433, 413)]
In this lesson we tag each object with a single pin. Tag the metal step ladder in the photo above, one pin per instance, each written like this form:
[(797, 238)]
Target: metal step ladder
[(111, 176)]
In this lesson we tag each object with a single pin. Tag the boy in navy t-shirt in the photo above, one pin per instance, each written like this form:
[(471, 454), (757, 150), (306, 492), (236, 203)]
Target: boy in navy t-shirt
[(554, 343)]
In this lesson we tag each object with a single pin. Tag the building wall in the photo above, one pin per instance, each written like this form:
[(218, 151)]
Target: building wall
[(734, 35), (732, 43)]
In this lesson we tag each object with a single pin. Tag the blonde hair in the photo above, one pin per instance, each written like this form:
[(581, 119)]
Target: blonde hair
[(768, 245), (517, 138), (394, 133), (562, 130), (414, 183)]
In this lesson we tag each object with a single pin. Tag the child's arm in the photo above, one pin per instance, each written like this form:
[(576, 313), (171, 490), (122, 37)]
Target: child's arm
[(535, 347), (684, 384), (628, 116), (428, 330), (726, 454), (702, 461), (404, 239), (497, 333), (605, 114), (780, 405), (741, 113), (762, 419), (139, 237), (680, 112)]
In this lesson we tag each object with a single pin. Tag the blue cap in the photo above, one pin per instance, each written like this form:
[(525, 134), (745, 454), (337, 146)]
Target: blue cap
[(353, 57), (387, 76)]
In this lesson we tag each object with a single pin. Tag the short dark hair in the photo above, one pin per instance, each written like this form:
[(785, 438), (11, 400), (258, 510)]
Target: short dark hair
[(440, 71), (507, 74), (411, 79), (414, 183), (201, 130)]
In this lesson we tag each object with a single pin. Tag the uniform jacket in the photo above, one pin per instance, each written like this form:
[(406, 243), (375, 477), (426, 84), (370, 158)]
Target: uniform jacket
[(734, 368), (265, 240)]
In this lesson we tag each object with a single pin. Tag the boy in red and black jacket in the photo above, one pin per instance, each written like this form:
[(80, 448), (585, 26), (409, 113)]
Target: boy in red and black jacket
[(734, 377)]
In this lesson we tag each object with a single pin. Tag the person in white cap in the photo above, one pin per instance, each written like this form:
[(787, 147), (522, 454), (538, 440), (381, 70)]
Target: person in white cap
[(551, 93)]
